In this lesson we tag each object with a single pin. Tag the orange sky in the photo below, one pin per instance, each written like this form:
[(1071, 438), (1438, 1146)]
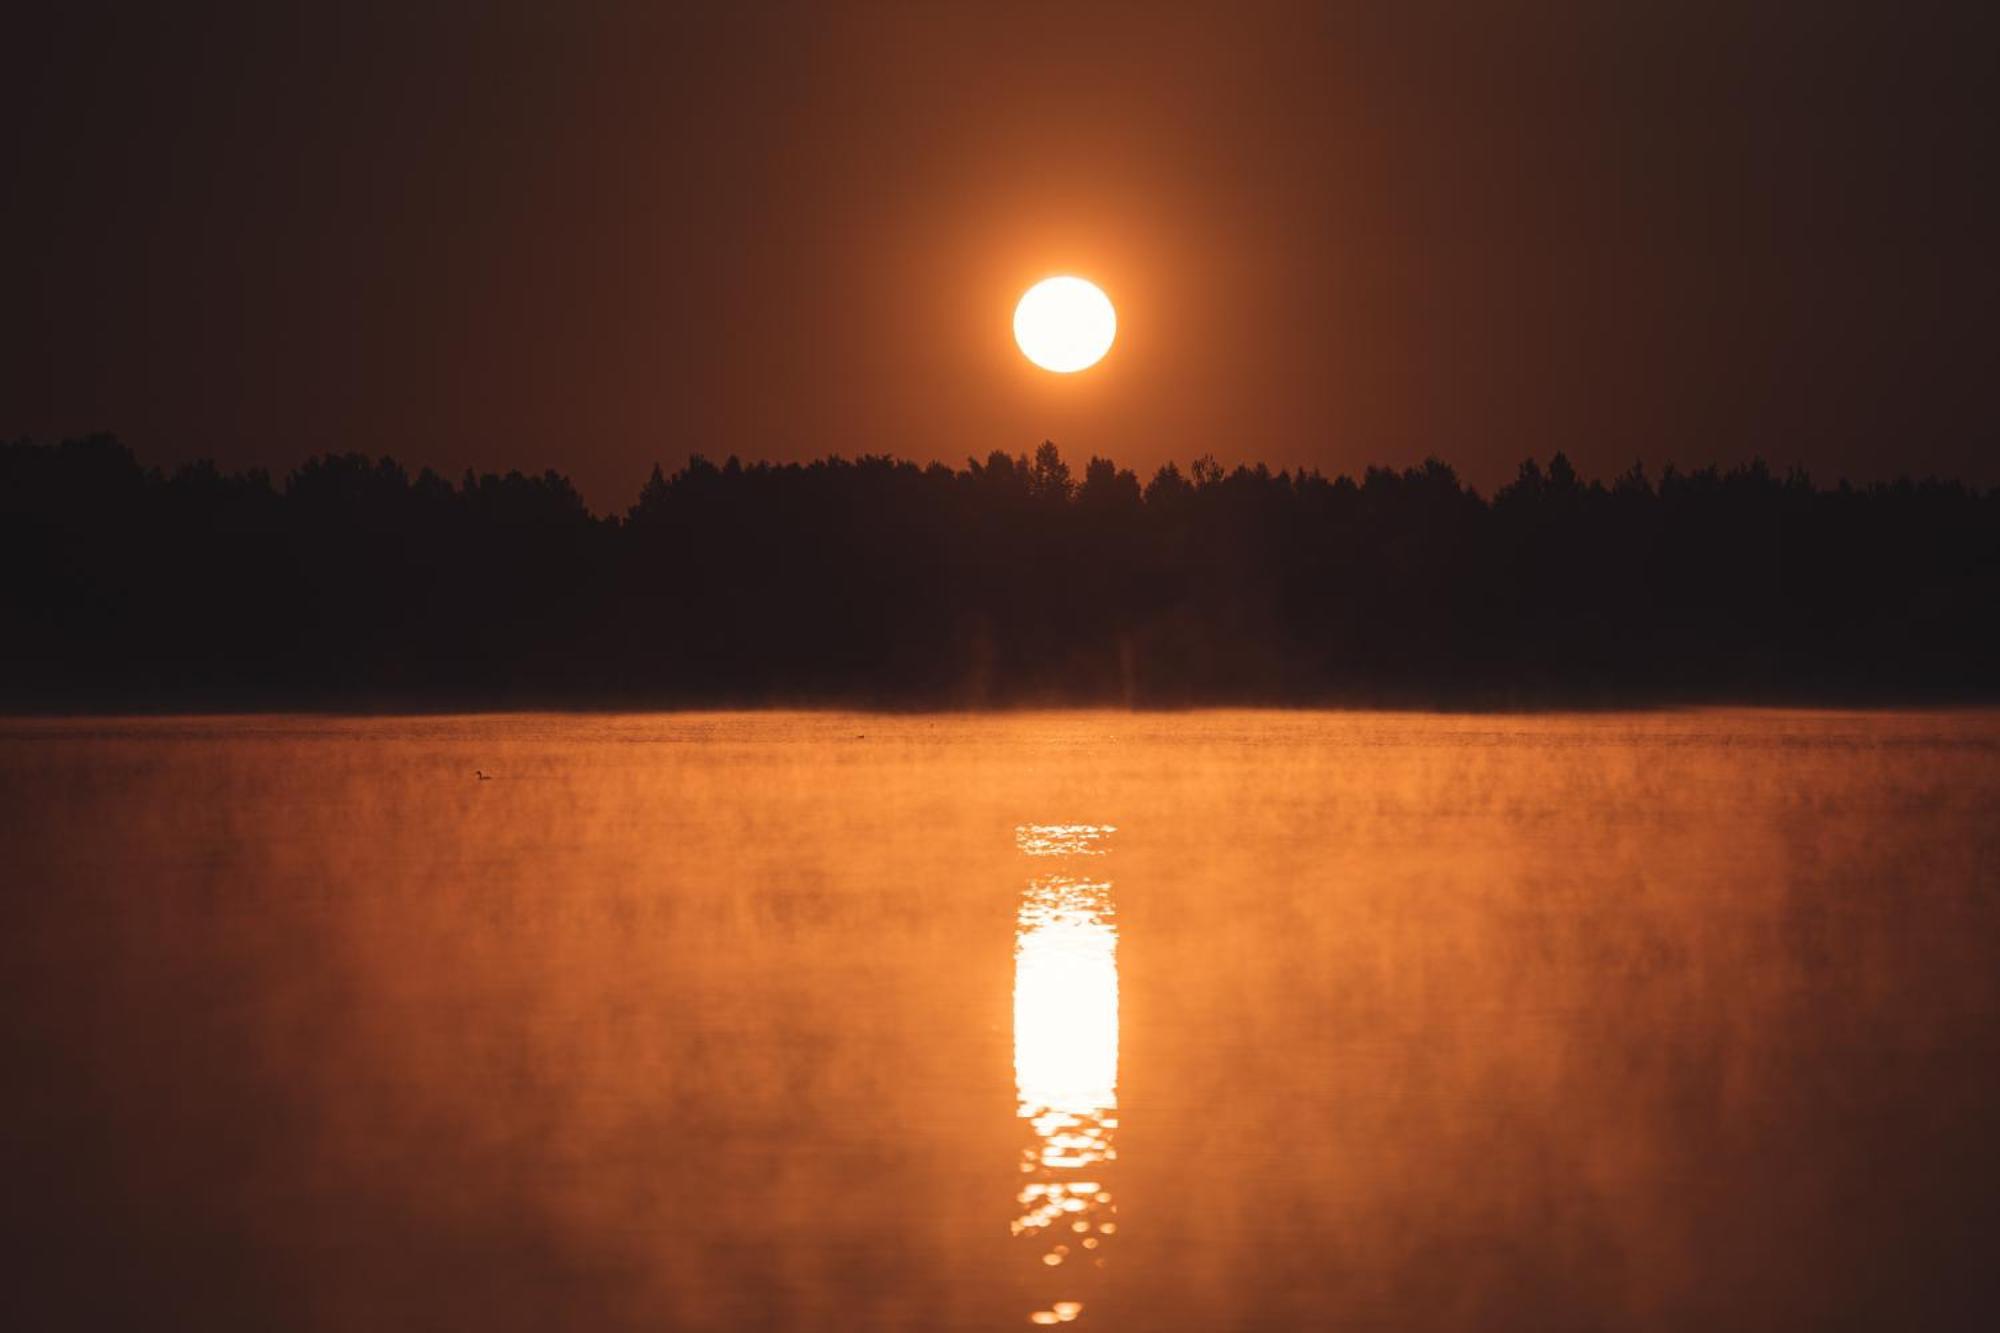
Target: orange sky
[(505, 236)]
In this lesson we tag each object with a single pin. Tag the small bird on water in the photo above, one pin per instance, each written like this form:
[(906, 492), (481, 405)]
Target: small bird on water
[(482, 775)]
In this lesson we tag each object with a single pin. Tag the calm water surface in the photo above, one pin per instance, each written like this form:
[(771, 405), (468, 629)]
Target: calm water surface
[(1137, 1022)]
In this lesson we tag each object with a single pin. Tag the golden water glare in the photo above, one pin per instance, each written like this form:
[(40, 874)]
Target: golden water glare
[(1066, 1052), (1676, 1020)]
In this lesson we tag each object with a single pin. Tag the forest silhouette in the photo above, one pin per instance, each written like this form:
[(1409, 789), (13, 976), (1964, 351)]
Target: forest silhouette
[(355, 584)]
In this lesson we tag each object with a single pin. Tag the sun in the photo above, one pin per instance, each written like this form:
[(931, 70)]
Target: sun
[(1065, 324)]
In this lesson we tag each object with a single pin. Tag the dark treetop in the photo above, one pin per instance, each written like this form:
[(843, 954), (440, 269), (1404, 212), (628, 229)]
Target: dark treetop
[(874, 581)]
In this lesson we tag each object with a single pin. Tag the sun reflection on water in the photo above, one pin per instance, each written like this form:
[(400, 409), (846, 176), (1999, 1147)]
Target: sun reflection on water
[(1066, 1054)]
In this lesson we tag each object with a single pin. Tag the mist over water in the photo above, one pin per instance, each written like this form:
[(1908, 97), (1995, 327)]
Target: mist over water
[(804, 1021)]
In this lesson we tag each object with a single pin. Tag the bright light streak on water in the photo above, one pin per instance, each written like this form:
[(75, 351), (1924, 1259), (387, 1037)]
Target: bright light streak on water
[(1066, 1056)]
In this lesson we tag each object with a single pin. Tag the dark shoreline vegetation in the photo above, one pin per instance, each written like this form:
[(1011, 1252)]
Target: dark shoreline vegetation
[(876, 582)]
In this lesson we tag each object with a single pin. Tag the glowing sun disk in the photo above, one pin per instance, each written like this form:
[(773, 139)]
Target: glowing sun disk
[(1065, 324)]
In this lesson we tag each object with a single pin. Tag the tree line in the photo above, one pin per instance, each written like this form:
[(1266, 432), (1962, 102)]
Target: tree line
[(355, 583)]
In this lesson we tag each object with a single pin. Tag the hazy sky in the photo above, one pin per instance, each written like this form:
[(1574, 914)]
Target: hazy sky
[(592, 236)]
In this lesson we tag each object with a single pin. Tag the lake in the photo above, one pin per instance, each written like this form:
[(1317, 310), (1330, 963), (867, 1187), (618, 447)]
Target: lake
[(1204, 1021)]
